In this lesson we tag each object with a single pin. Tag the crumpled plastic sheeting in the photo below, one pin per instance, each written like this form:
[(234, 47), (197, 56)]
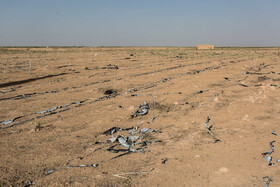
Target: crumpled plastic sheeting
[(143, 110), (130, 141)]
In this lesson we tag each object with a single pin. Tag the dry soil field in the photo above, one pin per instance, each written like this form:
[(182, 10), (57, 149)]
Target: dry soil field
[(55, 104)]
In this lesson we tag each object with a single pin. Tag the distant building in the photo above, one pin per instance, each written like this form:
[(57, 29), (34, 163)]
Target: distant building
[(205, 47)]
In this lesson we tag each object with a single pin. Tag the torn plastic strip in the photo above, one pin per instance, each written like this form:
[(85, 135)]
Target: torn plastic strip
[(242, 84), (209, 130), (276, 134), (269, 179), (142, 110), (7, 122), (50, 172), (37, 117), (59, 107), (80, 166), (271, 149), (114, 130), (269, 159)]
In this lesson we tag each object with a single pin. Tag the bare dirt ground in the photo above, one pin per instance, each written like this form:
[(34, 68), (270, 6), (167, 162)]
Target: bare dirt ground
[(53, 111)]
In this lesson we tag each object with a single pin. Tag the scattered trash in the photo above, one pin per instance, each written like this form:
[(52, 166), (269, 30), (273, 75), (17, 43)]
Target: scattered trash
[(121, 107), (153, 119), (271, 149), (278, 161), (209, 130), (45, 113), (80, 166), (59, 107), (130, 141), (143, 110), (269, 179), (269, 159), (242, 84), (50, 172), (164, 160), (276, 134)]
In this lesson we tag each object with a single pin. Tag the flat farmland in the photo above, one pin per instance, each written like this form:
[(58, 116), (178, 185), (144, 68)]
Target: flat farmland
[(56, 103)]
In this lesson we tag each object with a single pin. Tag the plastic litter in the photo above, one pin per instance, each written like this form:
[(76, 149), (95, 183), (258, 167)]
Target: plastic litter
[(269, 179), (276, 134), (209, 130), (143, 110), (114, 130), (271, 149), (50, 171), (269, 159), (242, 84), (110, 66), (164, 160), (89, 165), (29, 183), (7, 122)]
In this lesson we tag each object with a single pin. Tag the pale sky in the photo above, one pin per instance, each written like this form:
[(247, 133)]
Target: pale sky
[(139, 22)]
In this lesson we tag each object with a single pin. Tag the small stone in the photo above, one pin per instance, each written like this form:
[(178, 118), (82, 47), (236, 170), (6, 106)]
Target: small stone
[(224, 170), (197, 156)]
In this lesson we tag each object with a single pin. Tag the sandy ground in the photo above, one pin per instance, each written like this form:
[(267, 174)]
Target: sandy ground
[(238, 88)]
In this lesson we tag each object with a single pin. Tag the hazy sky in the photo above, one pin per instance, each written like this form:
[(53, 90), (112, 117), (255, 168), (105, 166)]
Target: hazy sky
[(139, 22)]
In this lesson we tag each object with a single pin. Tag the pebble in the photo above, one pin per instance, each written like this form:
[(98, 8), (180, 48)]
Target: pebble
[(224, 170)]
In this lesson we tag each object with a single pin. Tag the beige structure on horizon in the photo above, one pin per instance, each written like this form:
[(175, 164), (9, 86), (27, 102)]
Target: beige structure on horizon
[(205, 47)]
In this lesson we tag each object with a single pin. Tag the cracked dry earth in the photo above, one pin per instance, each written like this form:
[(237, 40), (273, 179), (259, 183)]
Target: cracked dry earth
[(55, 103)]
